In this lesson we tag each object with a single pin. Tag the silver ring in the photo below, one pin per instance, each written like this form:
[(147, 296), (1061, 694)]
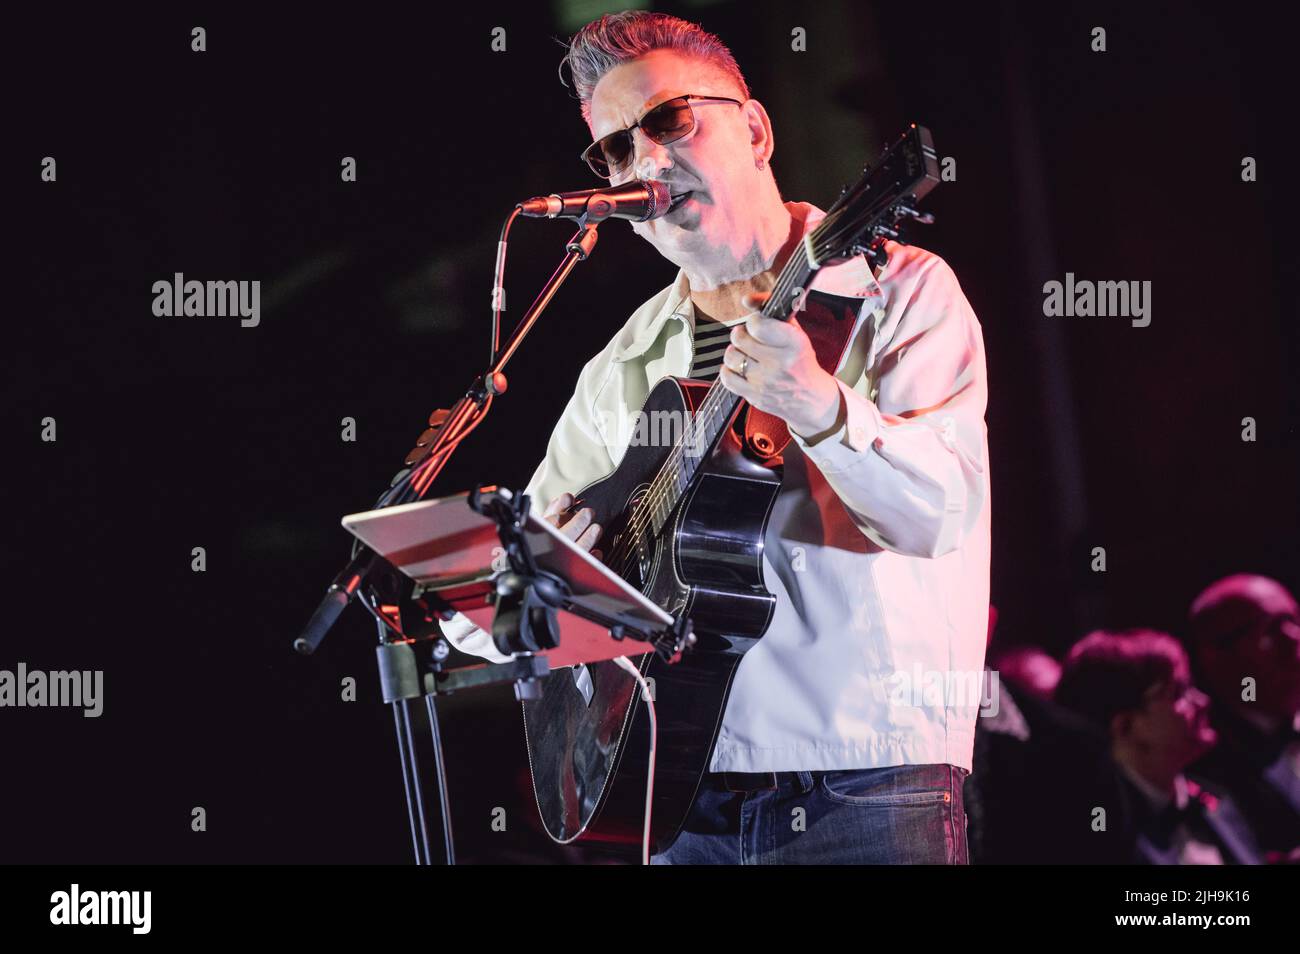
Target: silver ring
[(744, 364)]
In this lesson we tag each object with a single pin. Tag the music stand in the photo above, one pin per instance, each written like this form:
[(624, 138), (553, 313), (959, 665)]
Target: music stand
[(487, 555)]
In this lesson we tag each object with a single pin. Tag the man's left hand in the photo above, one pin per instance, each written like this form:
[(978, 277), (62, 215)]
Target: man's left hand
[(782, 376)]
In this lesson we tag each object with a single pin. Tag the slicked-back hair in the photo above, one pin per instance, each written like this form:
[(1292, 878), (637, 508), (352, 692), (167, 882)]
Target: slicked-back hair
[(618, 38)]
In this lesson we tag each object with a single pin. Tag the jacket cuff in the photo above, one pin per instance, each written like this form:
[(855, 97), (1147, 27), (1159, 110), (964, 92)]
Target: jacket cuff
[(845, 447)]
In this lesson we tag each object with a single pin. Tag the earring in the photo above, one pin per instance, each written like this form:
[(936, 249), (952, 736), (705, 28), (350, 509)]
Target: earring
[(759, 164)]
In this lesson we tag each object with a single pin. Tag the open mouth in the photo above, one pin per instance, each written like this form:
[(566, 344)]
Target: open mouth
[(678, 200)]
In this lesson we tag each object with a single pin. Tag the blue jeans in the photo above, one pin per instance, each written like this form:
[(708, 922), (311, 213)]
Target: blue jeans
[(903, 814)]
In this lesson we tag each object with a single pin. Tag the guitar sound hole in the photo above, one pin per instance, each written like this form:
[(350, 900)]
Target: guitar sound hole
[(634, 543)]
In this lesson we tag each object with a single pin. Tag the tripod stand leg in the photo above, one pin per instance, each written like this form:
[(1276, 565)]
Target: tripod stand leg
[(411, 780)]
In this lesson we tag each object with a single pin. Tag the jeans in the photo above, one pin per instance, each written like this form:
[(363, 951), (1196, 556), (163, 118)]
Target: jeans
[(903, 814)]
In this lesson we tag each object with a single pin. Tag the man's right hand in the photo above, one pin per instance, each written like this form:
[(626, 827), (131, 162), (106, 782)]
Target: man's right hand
[(578, 527)]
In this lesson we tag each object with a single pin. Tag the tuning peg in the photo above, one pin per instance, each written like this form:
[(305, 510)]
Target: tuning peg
[(877, 255), (925, 218)]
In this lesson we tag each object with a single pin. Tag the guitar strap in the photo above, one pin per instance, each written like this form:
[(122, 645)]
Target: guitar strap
[(828, 320)]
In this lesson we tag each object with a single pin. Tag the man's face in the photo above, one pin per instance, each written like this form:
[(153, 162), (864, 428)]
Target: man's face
[(1260, 624), (714, 163), (1174, 721)]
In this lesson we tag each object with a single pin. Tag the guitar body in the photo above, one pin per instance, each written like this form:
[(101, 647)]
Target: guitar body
[(588, 735)]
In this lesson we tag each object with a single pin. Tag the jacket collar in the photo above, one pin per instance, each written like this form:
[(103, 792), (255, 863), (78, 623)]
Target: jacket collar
[(852, 278)]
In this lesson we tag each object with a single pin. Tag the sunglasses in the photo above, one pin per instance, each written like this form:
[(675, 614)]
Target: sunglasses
[(671, 120)]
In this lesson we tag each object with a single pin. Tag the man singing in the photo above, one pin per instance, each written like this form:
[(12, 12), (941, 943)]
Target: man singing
[(835, 746)]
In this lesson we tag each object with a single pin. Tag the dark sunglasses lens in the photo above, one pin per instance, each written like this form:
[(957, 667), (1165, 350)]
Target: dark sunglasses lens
[(668, 121), (607, 156)]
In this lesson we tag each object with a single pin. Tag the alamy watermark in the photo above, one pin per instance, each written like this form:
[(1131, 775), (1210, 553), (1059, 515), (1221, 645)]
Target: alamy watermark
[(75, 906), (35, 688), (652, 429), (917, 688), (1087, 299), (180, 298)]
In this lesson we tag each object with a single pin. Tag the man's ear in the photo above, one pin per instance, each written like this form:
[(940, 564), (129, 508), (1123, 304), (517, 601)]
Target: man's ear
[(761, 138)]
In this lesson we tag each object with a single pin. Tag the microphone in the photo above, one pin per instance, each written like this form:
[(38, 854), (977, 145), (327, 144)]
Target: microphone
[(639, 200)]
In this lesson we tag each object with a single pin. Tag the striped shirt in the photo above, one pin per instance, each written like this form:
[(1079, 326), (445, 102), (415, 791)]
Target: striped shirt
[(711, 340)]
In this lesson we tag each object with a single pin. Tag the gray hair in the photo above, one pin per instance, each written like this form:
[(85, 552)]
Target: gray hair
[(618, 38)]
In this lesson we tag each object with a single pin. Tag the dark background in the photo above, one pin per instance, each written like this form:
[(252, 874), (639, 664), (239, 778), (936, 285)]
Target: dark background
[(176, 433)]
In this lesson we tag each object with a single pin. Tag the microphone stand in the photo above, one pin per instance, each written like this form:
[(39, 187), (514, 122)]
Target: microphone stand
[(430, 458), (370, 572)]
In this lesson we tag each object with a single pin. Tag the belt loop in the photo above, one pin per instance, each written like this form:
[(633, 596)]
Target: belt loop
[(750, 781), (806, 782)]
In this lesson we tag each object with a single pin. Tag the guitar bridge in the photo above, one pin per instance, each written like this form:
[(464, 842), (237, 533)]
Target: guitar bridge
[(582, 679)]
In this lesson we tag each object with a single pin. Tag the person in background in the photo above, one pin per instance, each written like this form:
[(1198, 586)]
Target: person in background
[(1244, 641), (1029, 669), (1136, 685)]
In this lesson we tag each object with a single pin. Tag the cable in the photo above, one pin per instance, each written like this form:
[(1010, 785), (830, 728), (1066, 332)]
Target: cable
[(624, 663), (498, 286), (384, 620)]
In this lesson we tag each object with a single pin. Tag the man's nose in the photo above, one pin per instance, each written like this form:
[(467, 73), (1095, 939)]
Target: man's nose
[(650, 158)]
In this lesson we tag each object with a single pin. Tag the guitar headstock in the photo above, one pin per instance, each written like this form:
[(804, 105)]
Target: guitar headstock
[(873, 208)]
